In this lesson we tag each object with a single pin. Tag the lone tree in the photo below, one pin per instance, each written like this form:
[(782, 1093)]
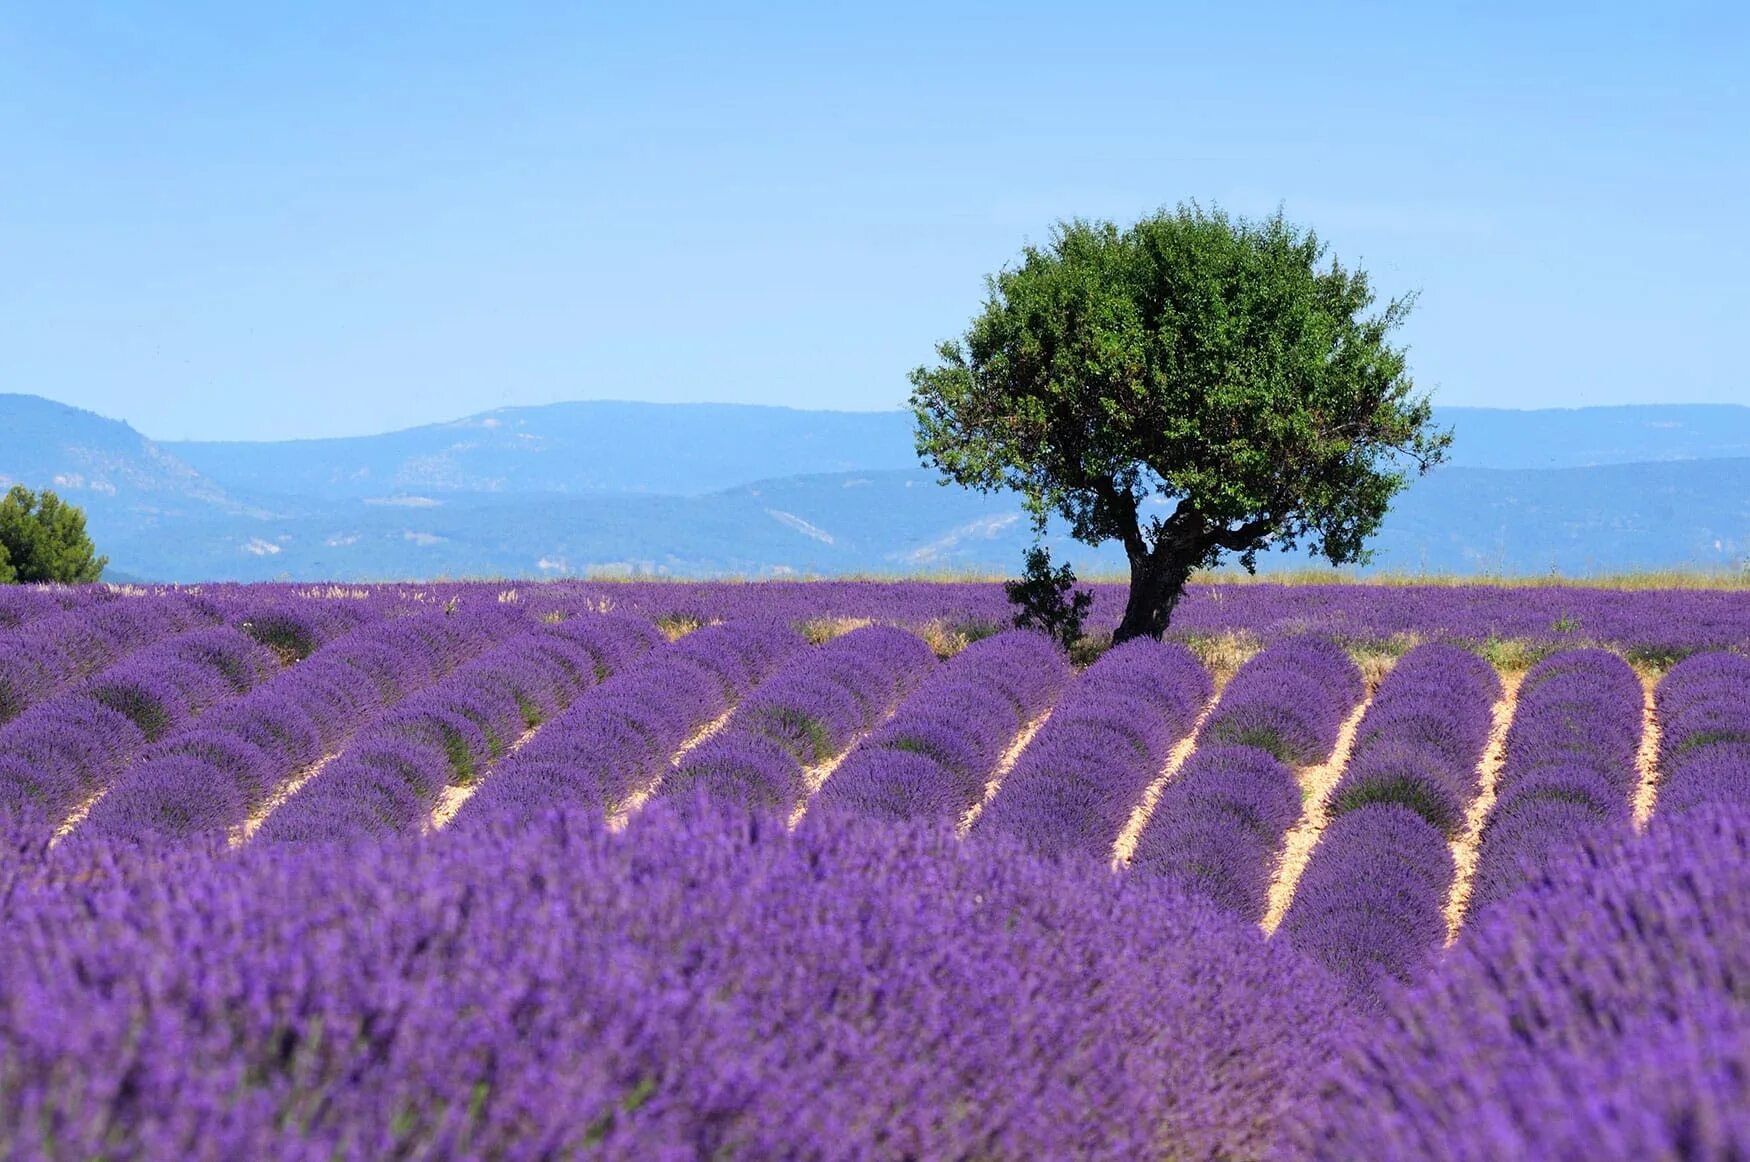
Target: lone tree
[(43, 539), (1191, 386)]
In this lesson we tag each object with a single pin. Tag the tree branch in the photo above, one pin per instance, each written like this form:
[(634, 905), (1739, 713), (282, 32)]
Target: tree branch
[(1242, 538)]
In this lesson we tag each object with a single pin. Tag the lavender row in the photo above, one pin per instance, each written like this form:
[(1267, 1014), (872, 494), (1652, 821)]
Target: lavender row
[(1073, 788), (53, 652), (1371, 903), (808, 713), (617, 739), (1422, 738), (391, 774), (1569, 771), (1704, 743), (700, 987), (1659, 623), (1219, 827), (64, 750), (933, 758), (1290, 701), (209, 780), (1599, 1014), (22, 604)]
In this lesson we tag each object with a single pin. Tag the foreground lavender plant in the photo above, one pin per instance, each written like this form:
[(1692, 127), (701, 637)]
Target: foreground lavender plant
[(1569, 772), (704, 984), (1600, 1013)]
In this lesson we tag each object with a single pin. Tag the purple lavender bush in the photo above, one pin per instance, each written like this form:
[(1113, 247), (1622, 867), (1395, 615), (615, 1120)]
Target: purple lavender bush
[(1569, 772), (1219, 825), (1289, 700), (616, 739), (1370, 905), (935, 755), (810, 711), (1598, 1013), (1422, 737), (704, 984), (1073, 788)]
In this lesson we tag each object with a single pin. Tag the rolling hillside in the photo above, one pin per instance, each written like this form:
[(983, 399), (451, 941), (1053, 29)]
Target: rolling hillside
[(691, 490)]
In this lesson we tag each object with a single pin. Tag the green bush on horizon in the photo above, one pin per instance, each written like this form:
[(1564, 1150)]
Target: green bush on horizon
[(43, 539)]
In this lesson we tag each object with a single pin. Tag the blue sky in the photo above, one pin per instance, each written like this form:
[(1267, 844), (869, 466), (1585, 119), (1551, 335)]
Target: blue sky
[(220, 223)]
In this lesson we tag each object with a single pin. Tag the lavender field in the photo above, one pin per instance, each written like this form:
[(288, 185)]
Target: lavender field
[(849, 870)]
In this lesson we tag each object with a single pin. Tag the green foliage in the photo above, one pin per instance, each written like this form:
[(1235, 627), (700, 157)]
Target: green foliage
[(1043, 599), (283, 633), (146, 712), (1405, 792), (43, 539), (1204, 366)]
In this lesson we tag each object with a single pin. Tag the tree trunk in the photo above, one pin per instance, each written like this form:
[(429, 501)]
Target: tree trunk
[(1157, 581)]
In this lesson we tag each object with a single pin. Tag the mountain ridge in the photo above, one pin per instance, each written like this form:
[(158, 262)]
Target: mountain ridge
[(696, 490)]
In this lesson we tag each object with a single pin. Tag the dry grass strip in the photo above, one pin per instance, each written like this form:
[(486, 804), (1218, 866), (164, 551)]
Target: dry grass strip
[(1468, 841), (1647, 757), (1001, 772), (1316, 783), (1224, 652), (636, 800), (1125, 845)]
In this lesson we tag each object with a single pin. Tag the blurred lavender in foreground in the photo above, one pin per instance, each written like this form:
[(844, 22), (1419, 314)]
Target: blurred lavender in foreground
[(704, 984)]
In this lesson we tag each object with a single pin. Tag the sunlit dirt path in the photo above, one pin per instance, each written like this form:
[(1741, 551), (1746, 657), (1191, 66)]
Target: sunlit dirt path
[(451, 798), (1467, 841), (1004, 765), (1125, 845), (245, 831), (76, 816), (1647, 757), (1316, 784), (636, 800)]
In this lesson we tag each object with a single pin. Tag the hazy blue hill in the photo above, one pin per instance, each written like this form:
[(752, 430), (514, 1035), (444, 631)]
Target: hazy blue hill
[(1463, 520), (691, 449), (100, 463), (674, 449), (1586, 437), (694, 490)]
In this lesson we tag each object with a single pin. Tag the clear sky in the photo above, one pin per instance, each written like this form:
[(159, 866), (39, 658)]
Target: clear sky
[(253, 221)]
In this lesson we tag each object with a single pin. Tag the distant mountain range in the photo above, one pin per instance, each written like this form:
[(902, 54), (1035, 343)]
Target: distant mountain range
[(705, 489)]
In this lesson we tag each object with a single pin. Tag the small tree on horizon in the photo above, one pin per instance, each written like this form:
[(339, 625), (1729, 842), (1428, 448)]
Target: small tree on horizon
[(1194, 364), (42, 538)]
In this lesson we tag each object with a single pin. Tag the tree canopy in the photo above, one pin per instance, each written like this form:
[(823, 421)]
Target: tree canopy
[(1191, 386), (42, 538)]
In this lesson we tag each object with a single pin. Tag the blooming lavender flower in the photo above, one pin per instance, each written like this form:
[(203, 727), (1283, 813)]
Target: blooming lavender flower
[(706, 984), (941, 747), (1598, 1013), (1289, 700), (1219, 826), (1569, 770), (1073, 788), (1370, 905)]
